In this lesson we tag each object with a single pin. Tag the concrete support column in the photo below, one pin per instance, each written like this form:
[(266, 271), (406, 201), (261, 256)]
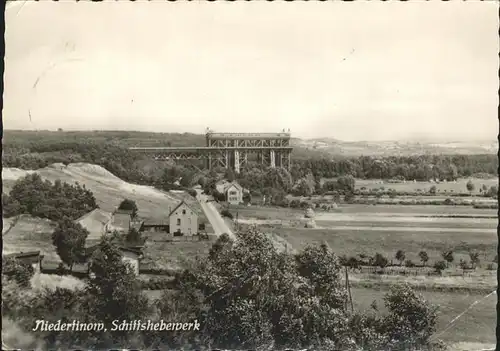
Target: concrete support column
[(236, 161), (209, 161), (289, 160), (273, 160), (227, 159)]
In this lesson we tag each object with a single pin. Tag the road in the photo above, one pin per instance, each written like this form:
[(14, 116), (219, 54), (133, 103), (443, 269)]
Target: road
[(213, 216)]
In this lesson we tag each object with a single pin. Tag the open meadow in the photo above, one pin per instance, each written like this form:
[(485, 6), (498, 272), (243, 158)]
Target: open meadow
[(360, 229), (458, 186)]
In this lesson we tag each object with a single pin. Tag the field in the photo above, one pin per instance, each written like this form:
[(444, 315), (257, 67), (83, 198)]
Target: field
[(449, 187), (360, 229), (475, 326)]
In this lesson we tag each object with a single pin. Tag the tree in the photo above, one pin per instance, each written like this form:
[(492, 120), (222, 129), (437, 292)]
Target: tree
[(250, 293), (470, 186), (379, 260), (440, 266), (346, 184), (433, 190), (112, 293), (69, 239), (134, 237), (424, 257), (474, 258), (463, 265), (129, 205), (411, 321), (18, 271), (448, 256), (229, 175), (400, 256), (492, 192)]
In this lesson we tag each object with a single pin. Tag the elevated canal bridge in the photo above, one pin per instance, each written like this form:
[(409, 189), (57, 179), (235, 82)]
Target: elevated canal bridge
[(231, 150)]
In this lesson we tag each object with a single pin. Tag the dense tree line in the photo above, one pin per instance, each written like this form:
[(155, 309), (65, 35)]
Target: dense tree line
[(128, 165), (421, 168), (245, 294), (39, 198)]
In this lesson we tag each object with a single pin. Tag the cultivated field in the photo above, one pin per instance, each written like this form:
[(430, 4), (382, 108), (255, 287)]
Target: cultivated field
[(362, 229)]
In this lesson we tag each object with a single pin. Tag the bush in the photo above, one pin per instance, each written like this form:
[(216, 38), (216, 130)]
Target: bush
[(409, 263), (192, 192), (379, 260), (17, 271), (226, 213), (39, 198), (440, 266)]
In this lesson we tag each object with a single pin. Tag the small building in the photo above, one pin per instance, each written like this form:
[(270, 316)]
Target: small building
[(120, 221), (33, 258), (232, 191), (96, 222), (152, 225), (132, 256), (183, 220)]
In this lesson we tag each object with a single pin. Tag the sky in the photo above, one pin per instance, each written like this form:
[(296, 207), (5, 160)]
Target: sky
[(345, 70)]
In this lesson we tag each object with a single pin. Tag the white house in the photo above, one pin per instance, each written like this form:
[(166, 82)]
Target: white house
[(232, 191), (183, 220)]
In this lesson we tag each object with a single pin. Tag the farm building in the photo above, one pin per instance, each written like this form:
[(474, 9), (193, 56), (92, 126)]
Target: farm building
[(131, 255), (96, 222), (33, 258), (232, 191), (120, 221), (183, 220)]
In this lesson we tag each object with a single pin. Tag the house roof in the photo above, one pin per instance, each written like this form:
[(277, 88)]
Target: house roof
[(129, 212), (95, 221), (23, 254), (179, 205), (121, 221), (135, 249), (235, 184), (31, 256)]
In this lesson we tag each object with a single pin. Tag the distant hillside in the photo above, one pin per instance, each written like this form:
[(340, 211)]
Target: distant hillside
[(395, 148), (303, 148)]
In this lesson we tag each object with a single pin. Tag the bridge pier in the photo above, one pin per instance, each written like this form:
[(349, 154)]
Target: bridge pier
[(236, 161), (272, 159)]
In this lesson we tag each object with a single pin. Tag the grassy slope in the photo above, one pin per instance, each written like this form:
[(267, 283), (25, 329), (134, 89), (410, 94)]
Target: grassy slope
[(108, 190)]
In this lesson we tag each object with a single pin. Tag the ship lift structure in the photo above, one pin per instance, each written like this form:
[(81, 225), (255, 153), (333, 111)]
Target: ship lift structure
[(230, 150)]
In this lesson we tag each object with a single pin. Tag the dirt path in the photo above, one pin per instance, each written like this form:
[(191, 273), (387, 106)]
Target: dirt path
[(213, 216)]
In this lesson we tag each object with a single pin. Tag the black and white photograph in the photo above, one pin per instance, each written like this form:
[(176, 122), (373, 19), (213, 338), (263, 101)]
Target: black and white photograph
[(250, 175)]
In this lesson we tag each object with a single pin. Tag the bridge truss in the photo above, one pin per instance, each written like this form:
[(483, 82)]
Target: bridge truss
[(231, 150)]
